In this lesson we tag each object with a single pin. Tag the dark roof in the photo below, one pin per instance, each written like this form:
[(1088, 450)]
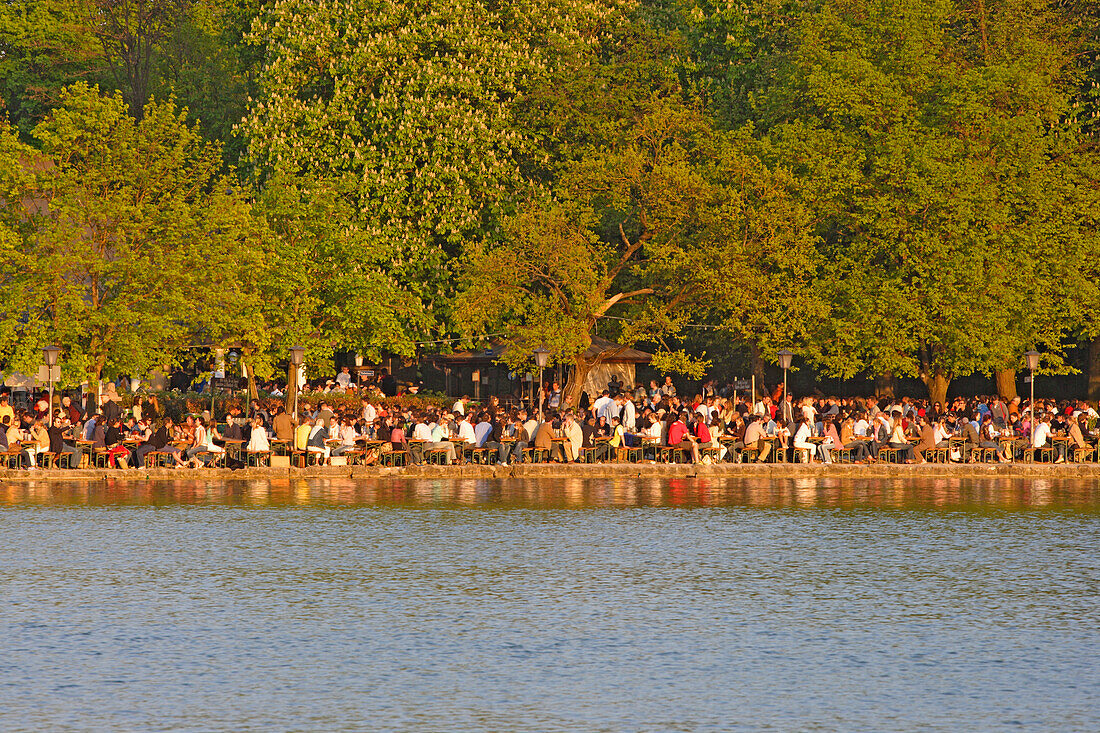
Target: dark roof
[(616, 354)]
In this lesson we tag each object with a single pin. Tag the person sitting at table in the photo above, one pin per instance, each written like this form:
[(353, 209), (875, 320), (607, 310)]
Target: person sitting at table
[(926, 440), (257, 438), (301, 435), (59, 446), (234, 423), (10, 438), (421, 437), (207, 445), (897, 439), (830, 434), (858, 448), (398, 441), (574, 438), (756, 438), (315, 443), (199, 441), (544, 438), (345, 433), (115, 438), (39, 439), (1076, 435), (483, 429), (680, 437), (283, 425), (440, 439), (1044, 438), (987, 438), (802, 435)]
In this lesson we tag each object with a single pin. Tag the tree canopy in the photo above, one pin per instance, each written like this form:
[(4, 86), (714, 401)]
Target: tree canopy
[(905, 187)]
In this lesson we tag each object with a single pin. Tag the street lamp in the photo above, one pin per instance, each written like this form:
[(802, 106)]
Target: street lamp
[(297, 356), (785, 363), (1032, 365), (542, 357), (49, 355)]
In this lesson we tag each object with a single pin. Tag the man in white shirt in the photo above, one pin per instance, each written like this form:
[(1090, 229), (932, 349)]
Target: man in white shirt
[(344, 377), (483, 430), (629, 413), (572, 430), (530, 424), (601, 405), (459, 407), (1042, 432), (438, 439), (754, 434), (369, 413), (420, 432), (466, 432)]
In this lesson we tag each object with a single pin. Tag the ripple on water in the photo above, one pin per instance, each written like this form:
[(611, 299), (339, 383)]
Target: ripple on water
[(394, 607)]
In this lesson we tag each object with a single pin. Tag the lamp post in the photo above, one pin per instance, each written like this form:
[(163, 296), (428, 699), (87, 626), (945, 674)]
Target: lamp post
[(297, 356), (785, 362), (1032, 365), (542, 356), (49, 355)]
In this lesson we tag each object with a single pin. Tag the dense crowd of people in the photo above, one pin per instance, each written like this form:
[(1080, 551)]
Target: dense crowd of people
[(619, 424)]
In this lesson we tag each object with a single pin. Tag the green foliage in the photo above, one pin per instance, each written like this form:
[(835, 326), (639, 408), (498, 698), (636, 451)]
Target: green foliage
[(130, 233), (406, 110), (44, 46), (931, 141), (904, 186)]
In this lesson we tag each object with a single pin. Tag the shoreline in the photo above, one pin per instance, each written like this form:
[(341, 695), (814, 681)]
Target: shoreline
[(564, 471)]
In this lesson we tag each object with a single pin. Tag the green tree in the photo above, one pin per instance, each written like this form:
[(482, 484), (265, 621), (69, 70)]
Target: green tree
[(930, 136), (45, 45), (406, 110), (135, 225)]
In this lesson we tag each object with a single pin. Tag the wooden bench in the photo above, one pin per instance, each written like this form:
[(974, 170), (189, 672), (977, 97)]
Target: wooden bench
[(212, 459), (157, 458), (355, 456), (938, 455), (842, 455), (435, 456), (887, 454), (394, 458), (715, 454), (984, 455)]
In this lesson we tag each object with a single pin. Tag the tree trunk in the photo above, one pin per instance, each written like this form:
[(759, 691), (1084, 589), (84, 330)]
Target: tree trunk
[(250, 373), (937, 387), (757, 367), (571, 395), (1094, 370), (885, 385), (1006, 384), (291, 390)]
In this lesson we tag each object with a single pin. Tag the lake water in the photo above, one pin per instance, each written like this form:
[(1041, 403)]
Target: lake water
[(592, 605)]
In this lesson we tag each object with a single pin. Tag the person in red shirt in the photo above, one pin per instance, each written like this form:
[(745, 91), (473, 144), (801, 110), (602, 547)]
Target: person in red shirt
[(680, 437)]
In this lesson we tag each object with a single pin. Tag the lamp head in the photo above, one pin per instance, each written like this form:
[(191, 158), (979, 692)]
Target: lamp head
[(50, 354), (785, 359), (297, 355), (1032, 360), (542, 356)]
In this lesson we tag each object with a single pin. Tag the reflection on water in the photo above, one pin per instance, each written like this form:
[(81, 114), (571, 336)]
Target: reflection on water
[(390, 605), (888, 493)]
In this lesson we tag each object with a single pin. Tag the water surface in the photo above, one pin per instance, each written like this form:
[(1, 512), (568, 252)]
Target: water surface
[(596, 605)]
